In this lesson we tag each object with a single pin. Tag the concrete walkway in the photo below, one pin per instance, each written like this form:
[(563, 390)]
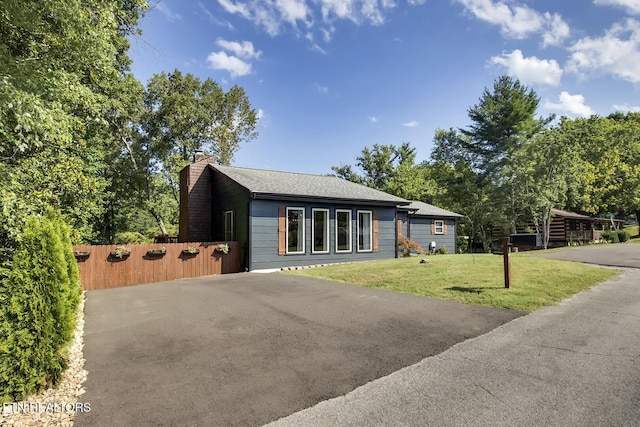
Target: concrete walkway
[(575, 364)]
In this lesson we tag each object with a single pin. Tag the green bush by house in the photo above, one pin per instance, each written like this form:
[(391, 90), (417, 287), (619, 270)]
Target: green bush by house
[(623, 235), (39, 295), (611, 236)]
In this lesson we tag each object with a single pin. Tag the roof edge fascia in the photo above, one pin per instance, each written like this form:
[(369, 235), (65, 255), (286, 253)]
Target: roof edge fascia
[(276, 196)]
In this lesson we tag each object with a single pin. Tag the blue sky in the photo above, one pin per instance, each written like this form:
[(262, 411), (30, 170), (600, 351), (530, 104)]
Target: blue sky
[(329, 77)]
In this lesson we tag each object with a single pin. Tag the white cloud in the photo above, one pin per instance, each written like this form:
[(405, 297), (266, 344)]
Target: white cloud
[(316, 48), (557, 30), (373, 119), (242, 49), (212, 19), (231, 7), (321, 89), (232, 64), (530, 70), (625, 108), (292, 10), (616, 53), (273, 15), (411, 124), (168, 13), (514, 21), (519, 21), (571, 104), (632, 6)]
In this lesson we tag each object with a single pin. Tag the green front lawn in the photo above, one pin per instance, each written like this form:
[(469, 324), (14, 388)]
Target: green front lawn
[(471, 279), (634, 233)]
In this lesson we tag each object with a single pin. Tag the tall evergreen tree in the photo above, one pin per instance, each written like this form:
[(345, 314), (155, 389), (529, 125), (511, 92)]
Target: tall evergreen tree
[(503, 124)]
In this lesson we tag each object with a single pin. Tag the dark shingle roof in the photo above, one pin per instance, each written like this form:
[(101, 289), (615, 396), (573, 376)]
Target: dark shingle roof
[(266, 183), (568, 214), (425, 209)]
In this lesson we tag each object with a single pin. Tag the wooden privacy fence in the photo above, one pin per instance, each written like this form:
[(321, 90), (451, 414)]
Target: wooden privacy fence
[(101, 267)]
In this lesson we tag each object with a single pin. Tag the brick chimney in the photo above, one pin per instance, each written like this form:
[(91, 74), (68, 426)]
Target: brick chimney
[(196, 200)]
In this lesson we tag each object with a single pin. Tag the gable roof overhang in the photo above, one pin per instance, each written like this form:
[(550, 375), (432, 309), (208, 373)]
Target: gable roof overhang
[(421, 209)]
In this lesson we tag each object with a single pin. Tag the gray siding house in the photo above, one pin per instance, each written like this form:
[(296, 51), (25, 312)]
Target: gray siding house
[(425, 223), (283, 219)]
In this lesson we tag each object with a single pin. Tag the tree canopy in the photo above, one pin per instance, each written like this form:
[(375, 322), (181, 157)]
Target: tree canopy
[(80, 134), (391, 169)]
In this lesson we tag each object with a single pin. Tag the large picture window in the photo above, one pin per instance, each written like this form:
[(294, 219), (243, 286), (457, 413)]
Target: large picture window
[(343, 230), (228, 226), (320, 231), (365, 231), (295, 230)]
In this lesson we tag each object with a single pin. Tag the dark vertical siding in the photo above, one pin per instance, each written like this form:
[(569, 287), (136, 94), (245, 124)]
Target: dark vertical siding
[(421, 233), (264, 235), (228, 195)]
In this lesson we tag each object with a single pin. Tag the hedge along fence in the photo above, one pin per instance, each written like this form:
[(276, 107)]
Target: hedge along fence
[(101, 267), (39, 295)]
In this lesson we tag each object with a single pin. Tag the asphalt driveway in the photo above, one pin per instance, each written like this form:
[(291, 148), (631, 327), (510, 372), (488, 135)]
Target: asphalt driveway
[(247, 349)]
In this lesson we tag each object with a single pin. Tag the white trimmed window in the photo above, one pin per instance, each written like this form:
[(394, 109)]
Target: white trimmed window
[(438, 226), (365, 231), (295, 230), (320, 231), (228, 226), (343, 230)]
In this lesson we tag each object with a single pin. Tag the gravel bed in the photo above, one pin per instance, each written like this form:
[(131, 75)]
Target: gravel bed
[(55, 406)]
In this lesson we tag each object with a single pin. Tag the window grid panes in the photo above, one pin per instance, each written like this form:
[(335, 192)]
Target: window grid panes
[(228, 226), (295, 230), (364, 231), (343, 230), (320, 231), (439, 227)]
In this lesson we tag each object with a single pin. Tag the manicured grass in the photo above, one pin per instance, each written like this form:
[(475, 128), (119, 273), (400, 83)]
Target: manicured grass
[(634, 233), (471, 279)]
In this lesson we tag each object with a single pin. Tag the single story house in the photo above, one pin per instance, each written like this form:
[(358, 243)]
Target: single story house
[(283, 219), (428, 225), (570, 227)]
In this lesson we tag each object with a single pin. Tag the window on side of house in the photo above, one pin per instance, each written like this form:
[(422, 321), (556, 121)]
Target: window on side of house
[(365, 231), (295, 230), (343, 230), (320, 231), (438, 226), (228, 226)]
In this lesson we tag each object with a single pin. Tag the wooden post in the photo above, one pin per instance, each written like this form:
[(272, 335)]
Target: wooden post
[(506, 248)]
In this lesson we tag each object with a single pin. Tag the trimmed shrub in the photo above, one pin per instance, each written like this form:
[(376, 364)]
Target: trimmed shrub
[(130, 237), (38, 300), (462, 244), (443, 250), (610, 236), (623, 235), (406, 245)]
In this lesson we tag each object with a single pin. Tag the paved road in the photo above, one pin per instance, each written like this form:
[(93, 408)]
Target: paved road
[(247, 349), (575, 364), (615, 255)]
